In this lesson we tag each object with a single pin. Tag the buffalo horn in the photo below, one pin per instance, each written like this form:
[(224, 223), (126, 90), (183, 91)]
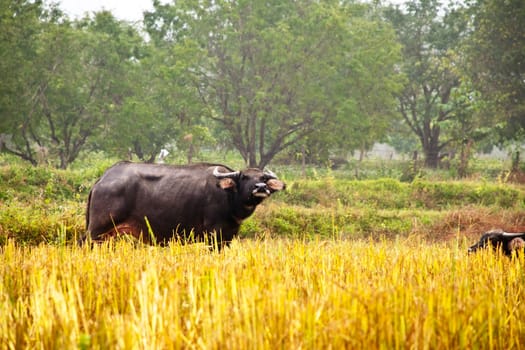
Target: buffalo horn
[(269, 174), (513, 234), (220, 175)]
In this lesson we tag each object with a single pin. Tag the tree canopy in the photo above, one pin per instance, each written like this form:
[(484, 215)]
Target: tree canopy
[(265, 78), (66, 80), (272, 73), (496, 61), (429, 40)]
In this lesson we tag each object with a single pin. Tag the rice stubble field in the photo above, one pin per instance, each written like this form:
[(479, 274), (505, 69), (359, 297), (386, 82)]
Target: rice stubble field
[(261, 294)]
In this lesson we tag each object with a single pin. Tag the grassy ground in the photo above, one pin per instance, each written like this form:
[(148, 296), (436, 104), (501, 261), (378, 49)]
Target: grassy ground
[(45, 205), (332, 262), (270, 294)]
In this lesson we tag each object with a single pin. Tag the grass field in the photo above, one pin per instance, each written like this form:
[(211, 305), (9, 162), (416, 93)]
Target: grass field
[(43, 205), (269, 294), (332, 262)]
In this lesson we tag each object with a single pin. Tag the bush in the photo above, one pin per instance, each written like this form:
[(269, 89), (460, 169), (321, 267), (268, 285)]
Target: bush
[(344, 222), (41, 221), (39, 204), (441, 195), (393, 194)]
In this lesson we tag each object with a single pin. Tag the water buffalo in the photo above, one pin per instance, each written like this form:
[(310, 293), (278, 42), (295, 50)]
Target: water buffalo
[(507, 241), (157, 202)]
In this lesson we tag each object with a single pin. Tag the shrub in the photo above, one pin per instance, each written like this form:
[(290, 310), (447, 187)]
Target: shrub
[(39, 204)]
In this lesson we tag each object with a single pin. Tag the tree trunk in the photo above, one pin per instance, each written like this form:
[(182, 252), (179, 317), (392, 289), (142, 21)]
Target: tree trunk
[(63, 162), (516, 161), (431, 146), (303, 160), (191, 151), (465, 155), (414, 160), (252, 146), (362, 153), (431, 158)]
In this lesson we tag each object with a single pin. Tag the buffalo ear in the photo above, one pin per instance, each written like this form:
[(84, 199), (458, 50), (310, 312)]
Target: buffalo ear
[(516, 244), (226, 183), (275, 185)]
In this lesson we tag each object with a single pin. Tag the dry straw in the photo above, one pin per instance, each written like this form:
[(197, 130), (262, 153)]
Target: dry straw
[(271, 294)]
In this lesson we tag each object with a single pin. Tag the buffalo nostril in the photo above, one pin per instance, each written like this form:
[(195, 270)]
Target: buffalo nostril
[(261, 190)]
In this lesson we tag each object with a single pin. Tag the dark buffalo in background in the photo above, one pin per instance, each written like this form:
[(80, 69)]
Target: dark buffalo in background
[(507, 241), (181, 202)]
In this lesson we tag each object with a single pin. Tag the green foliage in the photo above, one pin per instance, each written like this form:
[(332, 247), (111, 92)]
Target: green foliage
[(24, 183), (273, 75), (66, 86), (41, 204), (19, 28), (380, 208), (339, 223), (314, 79), (494, 61), (41, 221), (427, 103), (393, 194), (440, 195)]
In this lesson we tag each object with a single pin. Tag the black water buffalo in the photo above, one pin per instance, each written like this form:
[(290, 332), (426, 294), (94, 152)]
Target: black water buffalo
[(155, 202), (507, 241)]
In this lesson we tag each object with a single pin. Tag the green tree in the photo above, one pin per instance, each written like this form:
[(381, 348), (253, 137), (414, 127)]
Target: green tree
[(160, 107), (274, 73), (370, 82), (430, 40), (21, 22), (496, 61), (71, 79), (142, 124)]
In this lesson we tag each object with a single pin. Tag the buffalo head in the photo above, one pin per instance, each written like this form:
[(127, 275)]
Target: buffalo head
[(498, 239), (252, 185)]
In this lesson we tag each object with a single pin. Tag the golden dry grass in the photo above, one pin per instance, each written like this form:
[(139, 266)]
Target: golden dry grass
[(271, 294)]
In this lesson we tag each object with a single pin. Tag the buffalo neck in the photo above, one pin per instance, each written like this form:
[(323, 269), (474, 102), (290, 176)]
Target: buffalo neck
[(243, 209)]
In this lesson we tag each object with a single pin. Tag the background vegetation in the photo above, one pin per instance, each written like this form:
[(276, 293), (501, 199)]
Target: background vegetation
[(332, 261), (42, 204), (276, 81)]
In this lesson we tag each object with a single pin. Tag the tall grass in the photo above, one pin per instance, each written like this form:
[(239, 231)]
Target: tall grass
[(269, 294)]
